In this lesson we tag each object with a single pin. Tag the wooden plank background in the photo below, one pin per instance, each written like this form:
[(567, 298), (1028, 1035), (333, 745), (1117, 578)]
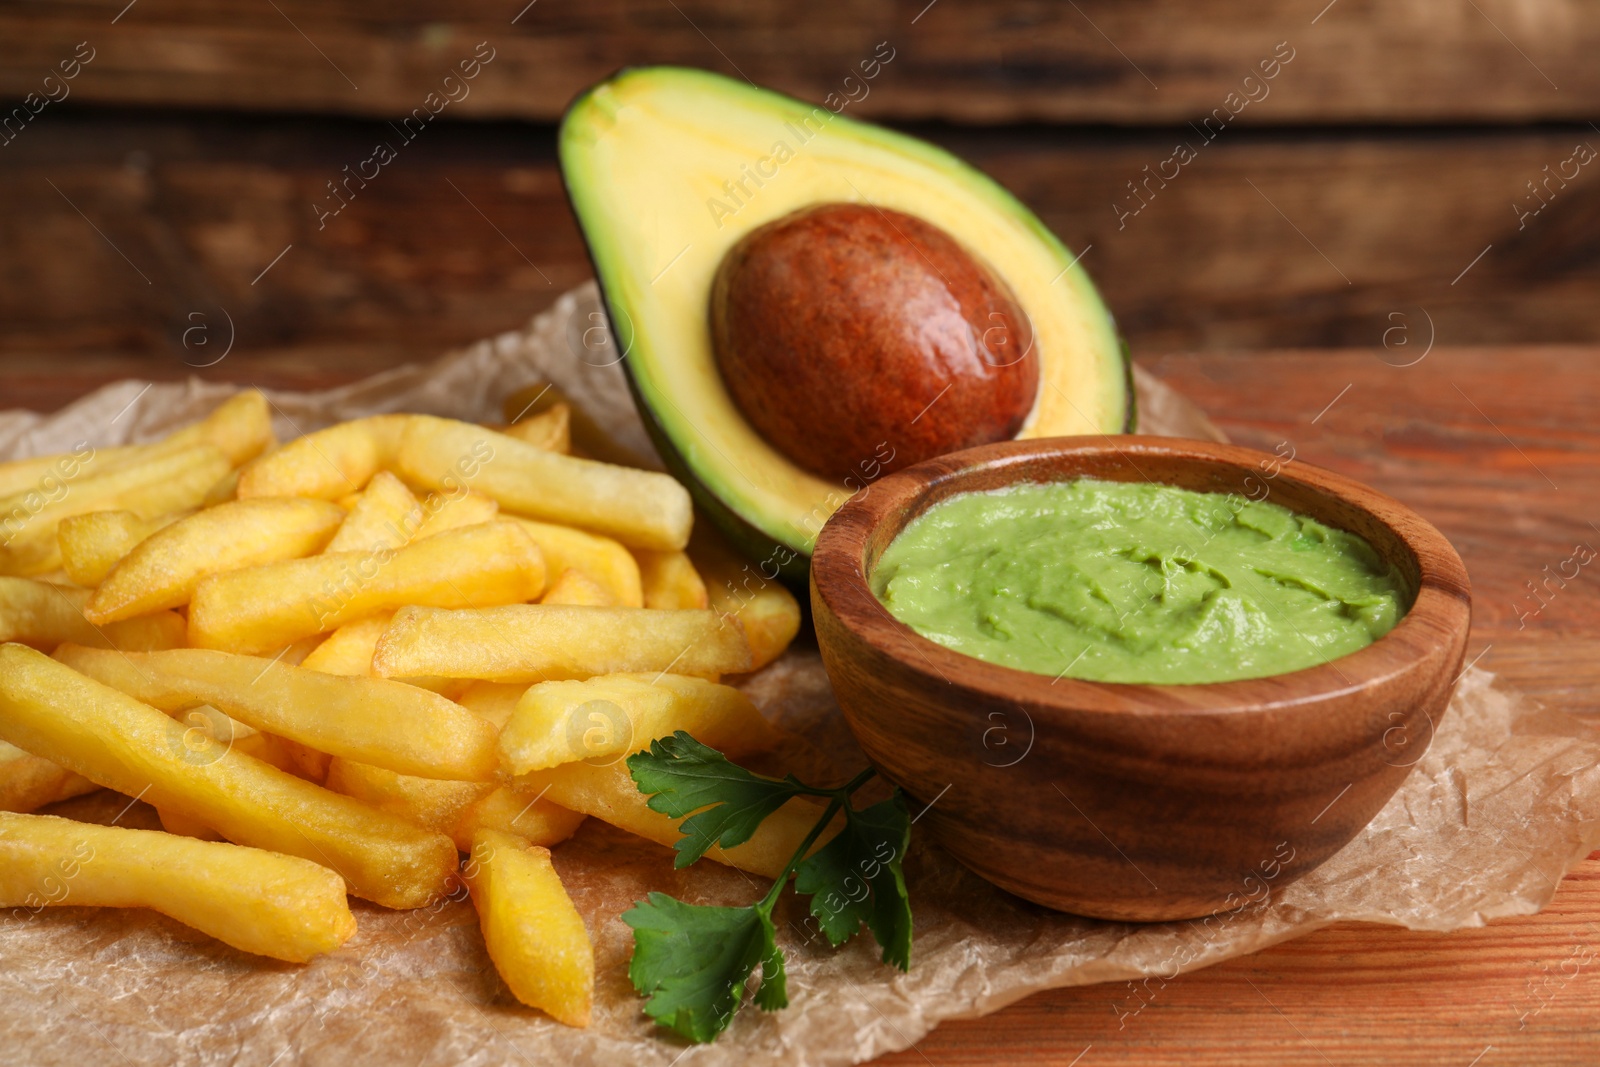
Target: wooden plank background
[(1381, 185), (117, 230), (1090, 61)]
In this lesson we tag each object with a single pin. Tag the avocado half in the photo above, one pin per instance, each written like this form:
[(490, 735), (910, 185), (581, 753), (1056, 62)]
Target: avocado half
[(668, 167)]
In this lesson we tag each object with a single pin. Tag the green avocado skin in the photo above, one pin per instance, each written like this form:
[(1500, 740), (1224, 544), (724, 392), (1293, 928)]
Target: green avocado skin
[(791, 560)]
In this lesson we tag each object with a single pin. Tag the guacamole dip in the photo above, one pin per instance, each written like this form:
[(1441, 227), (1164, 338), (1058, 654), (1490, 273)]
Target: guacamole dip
[(1136, 582)]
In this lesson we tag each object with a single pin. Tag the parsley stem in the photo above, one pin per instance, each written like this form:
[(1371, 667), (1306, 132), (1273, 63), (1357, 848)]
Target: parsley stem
[(845, 790), (765, 907), (837, 799)]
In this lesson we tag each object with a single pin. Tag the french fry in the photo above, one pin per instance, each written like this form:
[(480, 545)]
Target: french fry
[(388, 724), (43, 616), (606, 790), (113, 740), (452, 512), (742, 590), (28, 522), (211, 730), (587, 435), (273, 905), (601, 558), (550, 429), (603, 719), (44, 473), (164, 570), (326, 464), (263, 608), (534, 934), (577, 588), (28, 783), (295, 652), (609, 794), (642, 509), (93, 543), (241, 426), (543, 642), (184, 826), (669, 580), (527, 815), (431, 803), (348, 650), (495, 701), (305, 762), (226, 489), (385, 515)]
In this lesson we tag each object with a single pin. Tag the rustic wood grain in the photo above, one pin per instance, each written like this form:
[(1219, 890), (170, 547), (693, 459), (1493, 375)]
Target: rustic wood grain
[(1304, 240), (1093, 61)]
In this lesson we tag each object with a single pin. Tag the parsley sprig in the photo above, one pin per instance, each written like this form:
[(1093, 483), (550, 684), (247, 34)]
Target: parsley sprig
[(694, 962)]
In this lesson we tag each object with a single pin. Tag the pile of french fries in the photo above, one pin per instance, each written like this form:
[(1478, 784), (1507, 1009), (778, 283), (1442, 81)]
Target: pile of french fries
[(335, 665)]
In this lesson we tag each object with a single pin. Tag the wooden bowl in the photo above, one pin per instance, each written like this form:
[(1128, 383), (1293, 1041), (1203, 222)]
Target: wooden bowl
[(1138, 802)]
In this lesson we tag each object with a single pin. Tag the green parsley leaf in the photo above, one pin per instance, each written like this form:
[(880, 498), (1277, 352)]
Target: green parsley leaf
[(684, 776), (857, 878), (693, 963)]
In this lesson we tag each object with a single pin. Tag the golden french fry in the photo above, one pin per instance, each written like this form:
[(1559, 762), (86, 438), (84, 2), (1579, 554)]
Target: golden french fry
[(449, 512), (550, 429), (241, 426), (385, 515), (742, 590), (226, 489), (605, 789), (164, 570), (527, 815), (93, 543), (601, 558), (609, 794), (495, 701), (534, 934), (184, 826), (28, 783), (586, 434), (263, 608), (669, 580), (576, 587), (113, 740), (388, 724), (303, 761), (43, 615), (431, 803), (326, 464), (44, 474), (603, 719), (348, 650), (176, 481), (279, 906), (544, 642), (642, 509)]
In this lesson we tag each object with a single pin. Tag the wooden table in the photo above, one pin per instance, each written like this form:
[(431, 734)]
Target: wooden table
[(1500, 447)]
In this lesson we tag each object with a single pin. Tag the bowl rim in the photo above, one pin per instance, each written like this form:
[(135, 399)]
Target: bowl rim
[(839, 581)]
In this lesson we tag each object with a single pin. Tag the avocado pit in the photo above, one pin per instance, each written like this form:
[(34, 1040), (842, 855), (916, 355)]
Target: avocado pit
[(848, 333)]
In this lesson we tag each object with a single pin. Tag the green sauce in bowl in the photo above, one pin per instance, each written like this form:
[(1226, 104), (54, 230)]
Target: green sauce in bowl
[(1136, 582)]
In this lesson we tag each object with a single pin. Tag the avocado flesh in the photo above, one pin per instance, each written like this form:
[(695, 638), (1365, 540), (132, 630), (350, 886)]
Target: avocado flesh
[(645, 156)]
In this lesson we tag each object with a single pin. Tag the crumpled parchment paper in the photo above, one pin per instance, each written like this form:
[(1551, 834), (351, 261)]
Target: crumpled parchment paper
[(1505, 800)]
